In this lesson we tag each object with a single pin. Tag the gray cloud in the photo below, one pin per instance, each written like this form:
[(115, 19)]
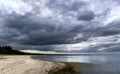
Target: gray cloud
[(86, 15), (67, 5), (50, 25), (31, 31), (114, 48)]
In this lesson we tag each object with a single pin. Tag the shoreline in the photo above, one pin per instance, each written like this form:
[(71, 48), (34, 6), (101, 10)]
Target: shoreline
[(24, 64)]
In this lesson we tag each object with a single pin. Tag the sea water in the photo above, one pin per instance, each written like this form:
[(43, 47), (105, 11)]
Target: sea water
[(103, 63)]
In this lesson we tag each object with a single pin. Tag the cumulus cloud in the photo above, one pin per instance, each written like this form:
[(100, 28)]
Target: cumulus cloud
[(65, 25)]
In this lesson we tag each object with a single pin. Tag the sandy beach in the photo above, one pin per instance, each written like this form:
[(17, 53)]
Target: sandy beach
[(30, 65), (25, 65)]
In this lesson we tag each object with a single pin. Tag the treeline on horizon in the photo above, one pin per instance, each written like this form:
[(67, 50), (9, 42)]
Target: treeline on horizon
[(9, 50)]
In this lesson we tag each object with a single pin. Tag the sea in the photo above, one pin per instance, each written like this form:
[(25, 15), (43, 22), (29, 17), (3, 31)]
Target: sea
[(88, 63)]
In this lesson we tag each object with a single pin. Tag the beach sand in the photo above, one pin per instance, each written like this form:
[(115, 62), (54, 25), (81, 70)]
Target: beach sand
[(29, 65), (25, 65)]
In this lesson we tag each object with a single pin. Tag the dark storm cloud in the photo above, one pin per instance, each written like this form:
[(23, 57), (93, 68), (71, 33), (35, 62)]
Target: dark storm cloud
[(25, 24), (112, 29), (86, 15), (2, 42), (65, 24), (91, 29), (67, 5), (31, 31)]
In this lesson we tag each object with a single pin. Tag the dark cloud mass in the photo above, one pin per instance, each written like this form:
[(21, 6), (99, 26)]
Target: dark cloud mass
[(36, 32), (85, 15), (65, 25)]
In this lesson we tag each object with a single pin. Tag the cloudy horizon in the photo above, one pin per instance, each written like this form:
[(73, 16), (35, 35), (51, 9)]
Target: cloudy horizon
[(61, 25)]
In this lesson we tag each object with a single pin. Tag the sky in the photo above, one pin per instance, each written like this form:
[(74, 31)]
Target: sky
[(61, 25)]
